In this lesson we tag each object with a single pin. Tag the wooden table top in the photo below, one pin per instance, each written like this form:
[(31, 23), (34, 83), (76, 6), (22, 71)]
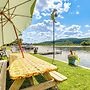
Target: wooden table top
[(27, 66)]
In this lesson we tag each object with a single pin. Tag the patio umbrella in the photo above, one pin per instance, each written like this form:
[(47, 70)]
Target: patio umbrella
[(15, 16)]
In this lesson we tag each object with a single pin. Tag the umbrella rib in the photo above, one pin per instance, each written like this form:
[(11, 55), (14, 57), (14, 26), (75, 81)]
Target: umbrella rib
[(5, 5), (8, 8), (17, 5), (2, 21), (7, 21), (9, 15), (13, 11), (2, 30), (21, 15)]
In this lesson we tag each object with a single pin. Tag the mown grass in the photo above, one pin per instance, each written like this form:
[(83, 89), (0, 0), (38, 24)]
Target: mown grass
[(78, 78)]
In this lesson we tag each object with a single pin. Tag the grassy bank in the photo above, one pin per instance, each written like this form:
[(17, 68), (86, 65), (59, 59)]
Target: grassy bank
[(78, 78)]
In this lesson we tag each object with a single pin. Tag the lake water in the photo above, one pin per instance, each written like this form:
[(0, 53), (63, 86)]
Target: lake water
[(82, 52)]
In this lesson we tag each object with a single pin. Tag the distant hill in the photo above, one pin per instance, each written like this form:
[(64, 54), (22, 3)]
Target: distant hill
[(73, 40), (69, 41)]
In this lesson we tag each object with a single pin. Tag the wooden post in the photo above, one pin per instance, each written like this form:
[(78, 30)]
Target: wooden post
[(31, 81), (17, 84), (48, 77)]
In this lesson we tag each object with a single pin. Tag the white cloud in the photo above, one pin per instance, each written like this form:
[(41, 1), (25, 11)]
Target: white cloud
[(51, 5), (41, 32), (67, 7), (47, 21), (35, 37), (73, 28), (45, 7), (88, 30), (77, 12), (60, 16), (57, 23), (71, 31), (87, 34), (41, 4), (37, 14), (87, 26), (41, 26), (62, 26), (45, 14), (78, 6)]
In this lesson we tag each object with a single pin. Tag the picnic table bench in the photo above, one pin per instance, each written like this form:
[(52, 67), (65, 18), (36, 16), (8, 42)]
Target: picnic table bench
[(30, 66), (3, 67)]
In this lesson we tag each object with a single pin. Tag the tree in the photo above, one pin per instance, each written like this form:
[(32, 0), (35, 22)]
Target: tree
[(85, 43)]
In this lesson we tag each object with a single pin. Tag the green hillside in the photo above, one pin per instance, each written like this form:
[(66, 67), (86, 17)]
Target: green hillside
[(69, 41)]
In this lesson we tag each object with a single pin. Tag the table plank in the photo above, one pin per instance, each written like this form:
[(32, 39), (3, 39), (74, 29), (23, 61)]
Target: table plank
[(21, 68), (41, 65), (28, 66)]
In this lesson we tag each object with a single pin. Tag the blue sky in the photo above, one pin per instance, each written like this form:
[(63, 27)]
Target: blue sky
[(73, 20)]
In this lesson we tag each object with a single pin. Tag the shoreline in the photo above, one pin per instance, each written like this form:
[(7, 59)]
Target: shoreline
[(48, 49), (60, 46), (77, 65), (73, 46)]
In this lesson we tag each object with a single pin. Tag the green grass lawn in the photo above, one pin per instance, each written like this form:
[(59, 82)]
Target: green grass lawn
[(78, 78)]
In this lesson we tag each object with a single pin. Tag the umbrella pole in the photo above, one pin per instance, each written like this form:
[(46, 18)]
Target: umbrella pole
[(16, 35), (18, 40)]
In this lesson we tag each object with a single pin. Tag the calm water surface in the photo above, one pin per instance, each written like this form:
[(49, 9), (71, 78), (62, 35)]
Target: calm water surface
[(82, 52)]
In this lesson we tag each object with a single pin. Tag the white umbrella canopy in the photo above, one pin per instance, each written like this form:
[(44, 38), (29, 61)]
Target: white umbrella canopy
[(15, 16)]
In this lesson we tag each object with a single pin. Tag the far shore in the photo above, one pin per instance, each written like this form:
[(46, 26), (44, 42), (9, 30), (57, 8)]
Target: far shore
[(72, 46), (62, 46)]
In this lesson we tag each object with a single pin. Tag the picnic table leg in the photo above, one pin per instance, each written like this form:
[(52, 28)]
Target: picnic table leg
[(31, 81), (17, 84), (48, 77)]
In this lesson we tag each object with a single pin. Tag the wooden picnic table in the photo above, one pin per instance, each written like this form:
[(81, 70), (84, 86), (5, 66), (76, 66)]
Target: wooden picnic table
[(22, 68), (30, 66)]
